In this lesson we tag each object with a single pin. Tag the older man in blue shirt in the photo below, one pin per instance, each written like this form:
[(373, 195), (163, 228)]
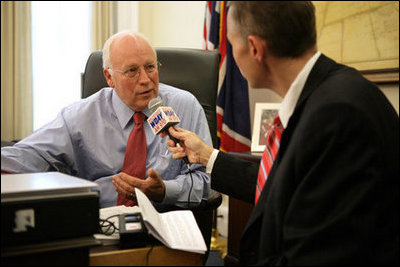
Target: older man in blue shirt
[(88, 138)]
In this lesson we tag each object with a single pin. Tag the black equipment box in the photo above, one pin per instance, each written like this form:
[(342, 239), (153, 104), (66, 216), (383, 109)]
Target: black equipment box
[(42, 207)]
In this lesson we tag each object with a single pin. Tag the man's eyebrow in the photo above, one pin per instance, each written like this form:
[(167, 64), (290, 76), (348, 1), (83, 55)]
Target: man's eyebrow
[(136, 65), (132, 66)]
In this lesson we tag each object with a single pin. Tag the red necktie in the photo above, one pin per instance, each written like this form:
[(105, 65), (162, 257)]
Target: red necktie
[(268, 157), (135, 155)]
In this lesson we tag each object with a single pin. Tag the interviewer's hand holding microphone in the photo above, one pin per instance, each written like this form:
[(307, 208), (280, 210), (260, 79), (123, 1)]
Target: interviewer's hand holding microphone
[(190, 146), (183, 144)]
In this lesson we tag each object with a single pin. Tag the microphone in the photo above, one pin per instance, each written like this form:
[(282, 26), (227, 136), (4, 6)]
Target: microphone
[(161, 119)]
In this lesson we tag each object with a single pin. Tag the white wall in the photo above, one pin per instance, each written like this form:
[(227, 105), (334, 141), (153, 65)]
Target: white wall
[(127, 15), (172, 23), (165, 23)]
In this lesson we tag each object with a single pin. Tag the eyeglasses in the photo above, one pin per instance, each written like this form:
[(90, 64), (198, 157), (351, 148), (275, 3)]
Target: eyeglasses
[(134, 71)]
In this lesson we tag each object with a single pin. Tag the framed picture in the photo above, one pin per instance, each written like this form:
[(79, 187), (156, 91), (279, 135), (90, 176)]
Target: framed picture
[(263, 120)]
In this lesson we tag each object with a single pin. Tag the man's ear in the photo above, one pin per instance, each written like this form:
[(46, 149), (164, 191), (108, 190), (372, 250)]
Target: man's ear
[(109, 78), (257, 46)]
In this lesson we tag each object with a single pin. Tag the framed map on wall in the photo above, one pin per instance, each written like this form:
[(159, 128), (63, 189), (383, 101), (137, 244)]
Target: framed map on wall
[(360, 34)]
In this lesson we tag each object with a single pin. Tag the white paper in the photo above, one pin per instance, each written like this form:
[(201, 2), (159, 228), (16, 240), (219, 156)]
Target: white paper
[(182, 231), (175, 229)]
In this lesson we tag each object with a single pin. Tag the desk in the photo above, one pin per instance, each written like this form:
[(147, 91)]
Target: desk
[(66, 252), (239, 214), (75, 252), (159, 255)]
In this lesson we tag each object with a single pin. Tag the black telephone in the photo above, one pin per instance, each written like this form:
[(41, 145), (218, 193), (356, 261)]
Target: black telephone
[(132, 231)]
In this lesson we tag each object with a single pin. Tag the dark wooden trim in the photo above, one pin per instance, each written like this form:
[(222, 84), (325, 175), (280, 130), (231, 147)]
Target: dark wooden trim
[(382, 76)]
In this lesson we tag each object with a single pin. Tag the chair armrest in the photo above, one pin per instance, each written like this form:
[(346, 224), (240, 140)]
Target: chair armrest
[(7, 143), (214, 200)]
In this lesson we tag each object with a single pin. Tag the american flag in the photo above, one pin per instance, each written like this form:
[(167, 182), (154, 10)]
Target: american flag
[(233, 112)]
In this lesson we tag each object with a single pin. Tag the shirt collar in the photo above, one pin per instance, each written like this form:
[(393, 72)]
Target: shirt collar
[(292, 96), (123, 112)]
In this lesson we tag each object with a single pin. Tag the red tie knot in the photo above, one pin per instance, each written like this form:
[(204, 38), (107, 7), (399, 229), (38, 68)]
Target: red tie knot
[(138, 117)]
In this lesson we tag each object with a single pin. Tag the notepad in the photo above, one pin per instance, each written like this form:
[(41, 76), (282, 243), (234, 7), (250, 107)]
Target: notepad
[(175, 229)]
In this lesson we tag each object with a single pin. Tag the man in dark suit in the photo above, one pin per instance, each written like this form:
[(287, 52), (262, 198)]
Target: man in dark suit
[(332, 195)]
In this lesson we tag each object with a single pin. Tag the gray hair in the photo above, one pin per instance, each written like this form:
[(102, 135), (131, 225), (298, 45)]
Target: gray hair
[(108, 43)]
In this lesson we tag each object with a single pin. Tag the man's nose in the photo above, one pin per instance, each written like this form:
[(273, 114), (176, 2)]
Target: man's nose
[(143, 76)]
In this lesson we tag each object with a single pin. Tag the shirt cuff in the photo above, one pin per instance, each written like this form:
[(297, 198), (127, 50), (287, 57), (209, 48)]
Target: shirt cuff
[(172, 190), (211, 161)]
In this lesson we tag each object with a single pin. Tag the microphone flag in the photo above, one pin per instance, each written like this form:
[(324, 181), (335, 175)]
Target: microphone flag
[(161, 119)]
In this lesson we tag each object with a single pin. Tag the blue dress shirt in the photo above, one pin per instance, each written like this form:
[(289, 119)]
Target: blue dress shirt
[(88, 140)]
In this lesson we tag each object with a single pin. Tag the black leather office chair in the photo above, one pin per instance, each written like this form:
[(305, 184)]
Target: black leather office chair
[(194, 70), (8, 143)]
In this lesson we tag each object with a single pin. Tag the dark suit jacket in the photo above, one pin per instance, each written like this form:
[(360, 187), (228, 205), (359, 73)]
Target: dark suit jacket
[(332, 197)]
